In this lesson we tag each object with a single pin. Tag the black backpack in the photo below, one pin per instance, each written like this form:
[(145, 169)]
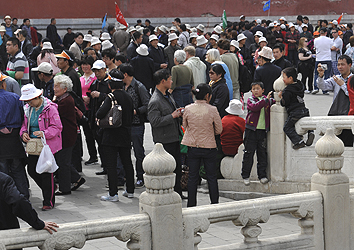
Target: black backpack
[(244, 77)]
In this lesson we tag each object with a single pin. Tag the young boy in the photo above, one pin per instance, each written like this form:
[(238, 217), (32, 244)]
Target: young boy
[(292, 99), (257, 126)]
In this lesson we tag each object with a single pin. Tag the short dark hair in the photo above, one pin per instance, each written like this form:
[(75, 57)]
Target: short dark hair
[(110, 28), (51, 20), (291, 72), (323, 30), (14, 41), (116, 84), (349, 25), (324, 21), (46, 39), (120, 57), (257, 83), (201, 91), (86, 59), (138, 21), (23, 33), (224, 44), (278, 46), (162, 74), (77, 34), (109, 53), (218, 69), (346, 58), (305, 18), (72, 56), (68, 28), (25, 20), (147, 20), (183, 27), (248, 26), (15, 18), (136, 35), (177, 20), (127, 68), (86, 50), (146, 30), (299, 17)]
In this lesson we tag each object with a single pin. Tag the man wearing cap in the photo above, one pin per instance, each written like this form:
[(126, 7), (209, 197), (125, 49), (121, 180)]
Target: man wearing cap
[(17, 66), (26, 45), (45, 75), (65, 63), (52, 34), (75, 46), (11, 85), (200, 50), (157, 54), (121, 39), (171, 49), (131, 50), (10, 28), (68, 38), (144, 67), (12, 153), (266, 72)]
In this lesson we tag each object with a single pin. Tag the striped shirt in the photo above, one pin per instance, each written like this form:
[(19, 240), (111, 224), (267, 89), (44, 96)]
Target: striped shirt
[(18, 62)]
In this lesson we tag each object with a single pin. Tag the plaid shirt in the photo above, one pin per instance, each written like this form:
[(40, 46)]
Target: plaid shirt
[(292, 36)]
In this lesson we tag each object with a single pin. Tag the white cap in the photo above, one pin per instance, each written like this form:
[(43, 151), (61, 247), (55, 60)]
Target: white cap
[(291, 25), (106, 45), (240, 37), (105, 36), (47, 45), (95, 41), (218, 29), (88, 37), (282, 18), (271, 25), (304, 25), (172, 36), (142, 50), (44, 67), (99, 64), (335, 22), (201, 40), (29, 92), (215, 37), (153, 37), (283, 26), (258, 21), (235, 107)]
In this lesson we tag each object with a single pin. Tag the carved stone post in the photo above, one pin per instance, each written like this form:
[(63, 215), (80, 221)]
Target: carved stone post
[(160, 202), (277, 138), (334, 186)]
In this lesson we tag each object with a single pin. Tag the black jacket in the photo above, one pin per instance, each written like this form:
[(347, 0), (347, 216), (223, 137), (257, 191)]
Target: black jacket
[(163, 39), (267, 74), (144, 70), (131, 50), (293, 97), (201, 53), (75, 79), (282, 63), (220, 96), (52, 35), (158, 55), (118, 137), (27, 48), (68, 40), (13, 205)]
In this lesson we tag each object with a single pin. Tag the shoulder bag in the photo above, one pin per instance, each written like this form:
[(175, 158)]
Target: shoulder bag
[(34, 146), (113, 118)]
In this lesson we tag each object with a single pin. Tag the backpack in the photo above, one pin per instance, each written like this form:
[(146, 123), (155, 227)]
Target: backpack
[(244, 77)]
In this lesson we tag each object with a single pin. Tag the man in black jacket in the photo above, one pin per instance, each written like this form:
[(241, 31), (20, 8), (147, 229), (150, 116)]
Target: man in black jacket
[(13, 205), (52, 35), (279, 58), (131, 50), (157, 54), (26, 45)]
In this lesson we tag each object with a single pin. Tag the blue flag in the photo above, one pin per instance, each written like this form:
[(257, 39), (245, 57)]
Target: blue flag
[(104, 21), (266, 6)]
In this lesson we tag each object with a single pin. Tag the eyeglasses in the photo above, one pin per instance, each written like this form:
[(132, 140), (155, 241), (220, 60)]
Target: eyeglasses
[(211, 73)]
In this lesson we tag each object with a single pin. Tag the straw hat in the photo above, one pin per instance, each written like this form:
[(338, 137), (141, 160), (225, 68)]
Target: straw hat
[(266, 52), (142, 50), (235, 107), (131, 29), (29, 92)]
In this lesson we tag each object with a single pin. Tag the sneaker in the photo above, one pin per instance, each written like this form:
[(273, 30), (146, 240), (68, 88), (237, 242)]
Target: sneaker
[(264, 180), (110, 198), (139, 184), (247, 181), (307, 91), (129, 195), (314, 92), (91, 162), (310, 138), (325, 93), (300, 144)]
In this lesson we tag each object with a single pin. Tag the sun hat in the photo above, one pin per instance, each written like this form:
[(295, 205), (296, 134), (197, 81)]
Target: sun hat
[(44, 67), (258, 21), (334, 22), (201, 40), (291, 25), (140, 29), (64, 55), (235, 107), (46, 45), (2, 77), (172, 36), (304, 25), (120, 26), (235, 44), (29, 92), (142, 50), (215, 37), (271, 25), (200, 27), (188, 26), (258, 33), (218, 29), (192, 35), (2, 28), (95, 40), (173, 28), (266, 52), (283, 26), (282, 19), (99, 64), (131, 29), (194, 30), (106, 45), (88, 37), (262, 39), (105, 36), (7, 17), (153, 37), (240, 37)]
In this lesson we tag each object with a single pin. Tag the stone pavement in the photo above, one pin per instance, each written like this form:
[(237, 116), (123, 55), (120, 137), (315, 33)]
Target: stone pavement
[(84, 204)]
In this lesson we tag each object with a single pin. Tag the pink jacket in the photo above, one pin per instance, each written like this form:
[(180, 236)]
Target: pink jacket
[(49, 122)]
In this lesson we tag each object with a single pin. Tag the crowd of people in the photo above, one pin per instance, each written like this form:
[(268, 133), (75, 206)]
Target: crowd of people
[(187, 83)]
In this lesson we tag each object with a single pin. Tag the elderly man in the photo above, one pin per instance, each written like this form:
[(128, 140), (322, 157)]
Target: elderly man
[(196, 65), (171, 49), (157, 53), (121, 39), (12, 153), (17, 66)]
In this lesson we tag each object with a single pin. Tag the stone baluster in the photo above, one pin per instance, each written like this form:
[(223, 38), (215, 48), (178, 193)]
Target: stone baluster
[(160, 202), (334, 186)]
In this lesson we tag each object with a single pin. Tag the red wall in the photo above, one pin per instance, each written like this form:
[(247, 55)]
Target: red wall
[(170, 8)]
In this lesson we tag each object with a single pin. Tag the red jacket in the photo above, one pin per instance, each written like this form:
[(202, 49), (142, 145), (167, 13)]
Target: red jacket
[(232, 133), (351, 97)]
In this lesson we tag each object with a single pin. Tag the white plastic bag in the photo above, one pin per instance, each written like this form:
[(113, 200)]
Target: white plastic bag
[(46, 161)]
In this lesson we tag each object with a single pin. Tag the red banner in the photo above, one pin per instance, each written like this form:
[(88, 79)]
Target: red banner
[(340, 18), (120, 17)]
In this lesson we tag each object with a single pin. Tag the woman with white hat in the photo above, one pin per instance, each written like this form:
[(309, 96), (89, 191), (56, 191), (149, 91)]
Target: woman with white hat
[(47, 55), (41, 118), (86, 42), (193, 40)]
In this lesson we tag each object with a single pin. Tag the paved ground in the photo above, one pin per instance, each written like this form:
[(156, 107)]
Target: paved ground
[(84, 204)]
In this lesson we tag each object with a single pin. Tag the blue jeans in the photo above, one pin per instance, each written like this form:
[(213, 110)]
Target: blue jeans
[(138, 147), (183, 95), (208, 156), (327, 73), (16, 169)]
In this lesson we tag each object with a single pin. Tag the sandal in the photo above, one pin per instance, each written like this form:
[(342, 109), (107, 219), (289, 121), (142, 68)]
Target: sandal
[(78, 184)]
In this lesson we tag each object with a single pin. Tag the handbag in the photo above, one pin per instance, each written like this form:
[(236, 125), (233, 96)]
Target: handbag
[(34, 146), (113, 118), (340, 105), (46, 162)]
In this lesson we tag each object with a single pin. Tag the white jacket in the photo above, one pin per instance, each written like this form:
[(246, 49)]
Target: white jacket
[(198, 68)]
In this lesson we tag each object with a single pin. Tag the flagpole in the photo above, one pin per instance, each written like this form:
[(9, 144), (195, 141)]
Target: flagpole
[(269, 11)]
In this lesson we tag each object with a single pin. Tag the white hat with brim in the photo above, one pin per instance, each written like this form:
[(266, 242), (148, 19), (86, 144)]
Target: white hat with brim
[(215, 37), (95, 40), (173, 28), (262, 39), (106, 45), (291, 25), (192, 35), (218, 29), (47, 45), (266, 52), (283, 26), (258, 33), (29, 92), (142, 50), (7, 17), (271, 25), (201, 40), (153, 37), (282, 19), (120, 26), (88, 37), (235, 44), (200, 27), (235, 107), (304, 25), (44, 67), (188, 26), (2, 28), (131, 29), (105, 36), (172, 36), (258, 21), (240, 37), (99, 64)]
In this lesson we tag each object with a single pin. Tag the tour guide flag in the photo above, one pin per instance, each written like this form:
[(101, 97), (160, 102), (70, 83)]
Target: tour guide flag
[(120, 17), (224, 20), (104, 21), (266, 6), (340, 18)]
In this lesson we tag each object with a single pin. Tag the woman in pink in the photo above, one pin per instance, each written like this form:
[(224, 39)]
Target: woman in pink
[(47, 55)]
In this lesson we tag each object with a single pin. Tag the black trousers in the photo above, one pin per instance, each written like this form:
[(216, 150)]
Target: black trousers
[(45, 181), (289, 126), (90, 140), (347, 137), (255, 141), (77, 153), (173, 149), (307, 73)]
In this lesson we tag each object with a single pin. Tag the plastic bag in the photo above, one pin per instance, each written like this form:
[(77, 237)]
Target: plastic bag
[(46, 162)]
